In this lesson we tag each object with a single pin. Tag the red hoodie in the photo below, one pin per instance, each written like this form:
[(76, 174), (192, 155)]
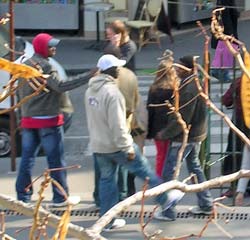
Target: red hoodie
[(40, 44)]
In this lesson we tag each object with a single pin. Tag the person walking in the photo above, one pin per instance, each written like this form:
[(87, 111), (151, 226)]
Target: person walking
[(160, 91), (42, 121), (111, 142), (194, 112)]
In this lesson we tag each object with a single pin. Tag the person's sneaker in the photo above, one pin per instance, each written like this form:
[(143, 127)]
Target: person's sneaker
[(174, 196), (118, 223), (198, 210), (167, 215), (58, 205), (72, 200)]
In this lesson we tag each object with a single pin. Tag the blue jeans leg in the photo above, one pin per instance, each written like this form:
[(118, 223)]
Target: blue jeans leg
[(51, 140), (191, 155), (193, 164), (30, 142), (122, 182), (140, 168), (52, 143), (108, 190)]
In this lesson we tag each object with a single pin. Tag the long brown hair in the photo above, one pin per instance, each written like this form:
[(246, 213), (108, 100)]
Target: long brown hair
[(166, 76), (118, 27)]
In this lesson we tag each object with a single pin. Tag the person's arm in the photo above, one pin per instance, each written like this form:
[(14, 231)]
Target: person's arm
[(71, 83), (151, 111)]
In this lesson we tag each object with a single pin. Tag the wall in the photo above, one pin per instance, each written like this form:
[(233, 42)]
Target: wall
[(43, 16)]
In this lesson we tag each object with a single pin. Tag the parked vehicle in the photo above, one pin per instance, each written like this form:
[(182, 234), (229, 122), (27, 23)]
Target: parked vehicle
[(21, 45)]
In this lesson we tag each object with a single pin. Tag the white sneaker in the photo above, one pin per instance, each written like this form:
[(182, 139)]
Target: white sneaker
[(118, 223), (72, 200)]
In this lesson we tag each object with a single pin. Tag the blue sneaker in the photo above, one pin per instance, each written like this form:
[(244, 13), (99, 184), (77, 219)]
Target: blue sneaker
[(166, 215), (198, 210)]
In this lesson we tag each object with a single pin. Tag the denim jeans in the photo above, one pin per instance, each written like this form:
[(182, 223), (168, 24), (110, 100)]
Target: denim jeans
[(108, 165), (51, 139), (191, 155), (122, 181)]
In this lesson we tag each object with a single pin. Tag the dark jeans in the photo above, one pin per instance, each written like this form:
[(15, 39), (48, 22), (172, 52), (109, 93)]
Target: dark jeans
[(125, 181), (51, 139)]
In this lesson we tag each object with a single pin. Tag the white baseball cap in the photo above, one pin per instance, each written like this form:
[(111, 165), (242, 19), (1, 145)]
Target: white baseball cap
[(108, 60)]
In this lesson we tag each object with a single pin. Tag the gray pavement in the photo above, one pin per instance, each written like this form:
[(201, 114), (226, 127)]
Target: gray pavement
[(74, 55)]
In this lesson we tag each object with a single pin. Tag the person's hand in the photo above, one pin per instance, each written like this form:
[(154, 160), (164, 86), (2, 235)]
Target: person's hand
[(158, 136), (239, 199), (116, 40), (171, 38), (131, 154)]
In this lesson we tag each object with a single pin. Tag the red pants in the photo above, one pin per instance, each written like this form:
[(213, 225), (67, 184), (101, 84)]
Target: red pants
[(161, 152)]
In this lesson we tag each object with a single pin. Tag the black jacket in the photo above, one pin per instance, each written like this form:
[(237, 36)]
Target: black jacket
[(193, 111), (157, 116)]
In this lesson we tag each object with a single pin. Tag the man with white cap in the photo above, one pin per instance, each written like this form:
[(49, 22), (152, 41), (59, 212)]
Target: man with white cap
[(111, 142)]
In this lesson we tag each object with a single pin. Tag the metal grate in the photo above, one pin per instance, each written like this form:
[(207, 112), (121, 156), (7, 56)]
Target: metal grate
[(233, 216)]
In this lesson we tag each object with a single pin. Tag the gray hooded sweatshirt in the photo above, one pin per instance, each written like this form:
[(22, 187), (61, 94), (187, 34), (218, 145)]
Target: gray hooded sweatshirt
[(106, 116)]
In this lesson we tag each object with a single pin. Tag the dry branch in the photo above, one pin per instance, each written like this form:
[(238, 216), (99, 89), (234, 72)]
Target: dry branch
[(35, 78), (53, 220), (211, 105), (96, 229)]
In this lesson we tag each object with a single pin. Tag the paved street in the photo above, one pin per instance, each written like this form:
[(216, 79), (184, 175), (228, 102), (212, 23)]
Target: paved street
[(74, 55)]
